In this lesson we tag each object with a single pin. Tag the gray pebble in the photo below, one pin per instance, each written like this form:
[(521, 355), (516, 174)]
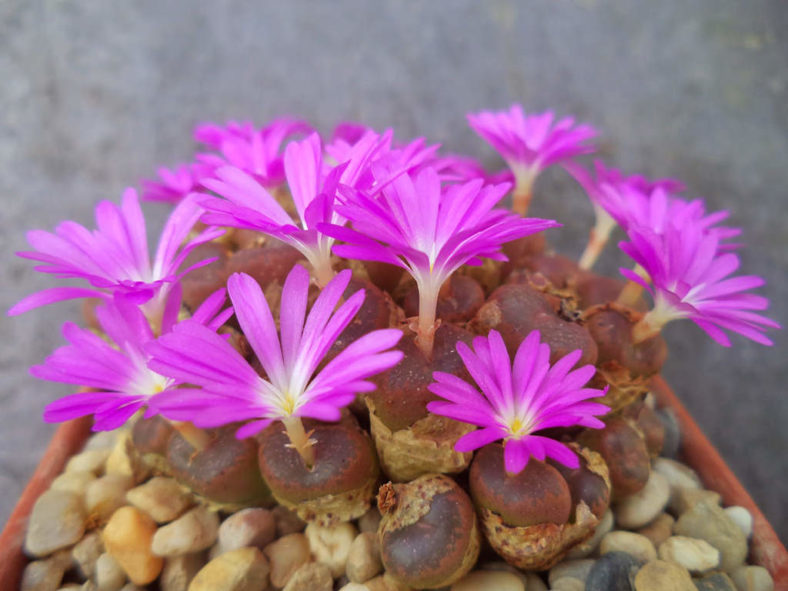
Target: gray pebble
[(672, 442), (615, 571), (715, 582)]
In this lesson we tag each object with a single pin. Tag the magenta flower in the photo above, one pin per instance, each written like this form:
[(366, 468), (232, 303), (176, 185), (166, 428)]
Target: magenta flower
[(690, 278), (174, 184), (430, 231), (114, 258), (231, 390), (119, 374), (256, 152), (529, 144), (518, 399), (245, 203)]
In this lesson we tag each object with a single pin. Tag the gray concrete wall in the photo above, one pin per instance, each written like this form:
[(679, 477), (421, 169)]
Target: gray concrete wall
[(94, 95)]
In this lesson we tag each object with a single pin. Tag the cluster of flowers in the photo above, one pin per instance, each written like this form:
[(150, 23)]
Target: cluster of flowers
[(361, 195)]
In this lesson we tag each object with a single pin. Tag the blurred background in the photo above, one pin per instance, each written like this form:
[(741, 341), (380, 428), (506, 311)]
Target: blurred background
[(95, 95)]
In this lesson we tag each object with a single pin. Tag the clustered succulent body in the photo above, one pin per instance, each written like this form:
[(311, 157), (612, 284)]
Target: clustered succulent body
[(390, 320)]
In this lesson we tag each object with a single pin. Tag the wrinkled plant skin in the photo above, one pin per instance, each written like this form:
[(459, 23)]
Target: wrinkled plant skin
[(649, 424), (515, 310), (225, 472), (595, 290), (428, 533), (267, 264), (401, 397), (626, 367), (151, 438), (623, 447), (534, 518), (341, 483)]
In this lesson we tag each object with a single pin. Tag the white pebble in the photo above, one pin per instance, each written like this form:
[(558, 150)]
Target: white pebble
[(697, 556), (741, 517), (752, 578), (109, 575), (640, 508), (331, 545)]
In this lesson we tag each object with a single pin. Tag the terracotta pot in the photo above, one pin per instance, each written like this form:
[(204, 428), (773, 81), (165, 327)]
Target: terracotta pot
[(765, 547)]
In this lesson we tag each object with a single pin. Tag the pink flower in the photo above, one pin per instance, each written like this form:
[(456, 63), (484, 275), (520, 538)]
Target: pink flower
[(230, 388), (430, 231), (256, 152), (690, 278), (529, 144), (245, 203), (114, 258), (119, 374), (174, 183), (518, 399)]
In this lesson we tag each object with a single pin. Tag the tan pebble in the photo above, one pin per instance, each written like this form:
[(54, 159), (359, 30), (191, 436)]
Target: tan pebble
[(57, 521), (576, 569), (244, 569), (127, 537), (331, 545), (312, 576), (661, 576), (697, 556), (132, 587), (707, 521), (363, 561), (160, 497), (85, 553), (194, 531), (103, 439), (125, 461), (44, 575), (684, 499), (534, 582), (287, 522), (249, 527), (492, 580), (179, 571), (385, 583), (642, 507), (752, 578), (354, 587), (677, 474), (76, 482), (568, 584), (286, 555), (369, 521), (109, 575), (633, 544), (105, 495), (588, 547), (91, 460), (659, 530)]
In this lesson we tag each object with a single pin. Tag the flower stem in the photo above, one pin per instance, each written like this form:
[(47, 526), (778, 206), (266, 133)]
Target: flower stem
[(324, 272), (647, 327), (300, 440), (523, 190), (597, 238), (631, 292), (195, 437), (425, 332), (592, 251)]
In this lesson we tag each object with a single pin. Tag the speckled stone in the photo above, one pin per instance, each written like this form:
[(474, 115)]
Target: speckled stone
[(56, 521), (615, 571), (672, 441), (661, 576), (709, 522), (697, 556), (194, 531), (244, 569), (752, 578), (638, 546)]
